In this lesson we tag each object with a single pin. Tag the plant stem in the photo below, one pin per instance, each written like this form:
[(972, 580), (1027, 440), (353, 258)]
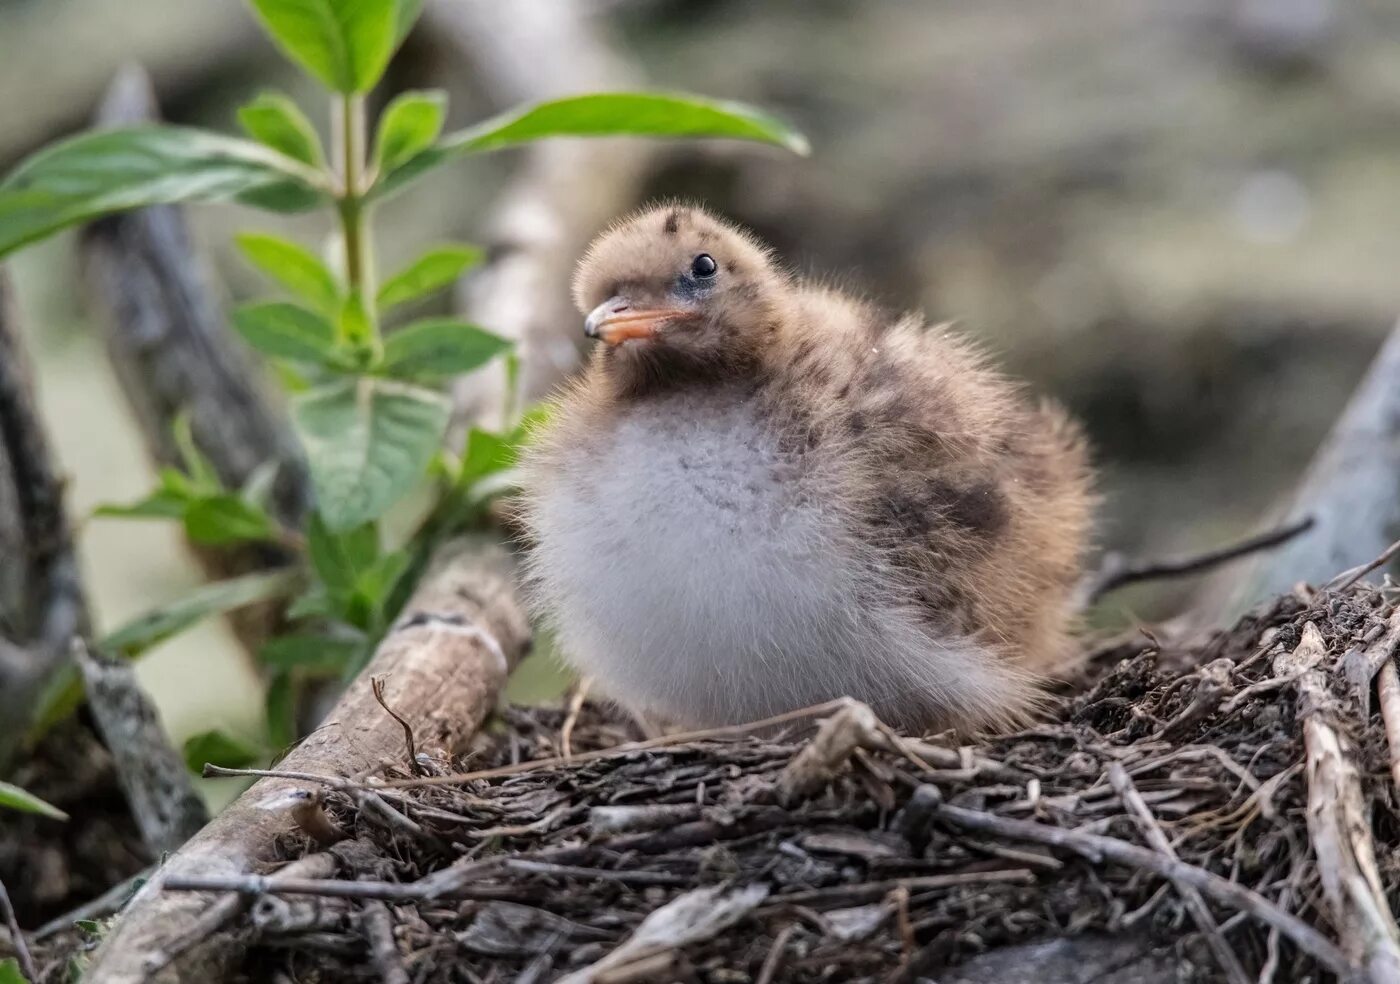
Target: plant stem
[(350, 146)]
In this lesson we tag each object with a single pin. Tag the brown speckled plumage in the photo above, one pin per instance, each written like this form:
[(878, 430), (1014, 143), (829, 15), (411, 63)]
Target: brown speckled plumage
[(911, 519)]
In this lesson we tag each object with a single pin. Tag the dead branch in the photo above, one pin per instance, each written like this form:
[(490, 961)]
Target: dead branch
[(1098, 848), (379, 928), (1116, 571), (1389, 684), (152, 292), (1340, 830), (1352, 489), (7, 916), (1196, 905), (565, 193), (153, 775), (443, 664), (42, 601)]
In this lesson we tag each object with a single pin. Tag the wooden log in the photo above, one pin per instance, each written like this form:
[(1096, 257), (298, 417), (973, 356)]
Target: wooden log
[(441, 667), (1351, 489)]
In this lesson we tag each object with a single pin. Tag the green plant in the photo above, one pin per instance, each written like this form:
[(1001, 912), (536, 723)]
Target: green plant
[(366, 403), (14, 798)]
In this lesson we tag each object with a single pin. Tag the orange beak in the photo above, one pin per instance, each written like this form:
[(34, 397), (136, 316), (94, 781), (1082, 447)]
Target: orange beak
[(616, 321)]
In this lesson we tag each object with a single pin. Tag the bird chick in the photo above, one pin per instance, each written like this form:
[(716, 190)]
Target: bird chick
[(763, 494)]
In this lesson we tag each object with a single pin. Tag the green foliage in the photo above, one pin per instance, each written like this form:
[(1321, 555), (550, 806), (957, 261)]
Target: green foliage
[(366, 404), (211, 516), (432, 271), (287, 331), (345, 44), (647, 114), (439, 348), (295, 267), (10, 972), (115, 170), (216, 598), (274, 120), (410, 125), (15, 798), (368, 441), (222, 749)]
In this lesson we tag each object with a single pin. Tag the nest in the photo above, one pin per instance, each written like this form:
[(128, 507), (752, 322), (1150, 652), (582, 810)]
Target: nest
[(1218, 811)]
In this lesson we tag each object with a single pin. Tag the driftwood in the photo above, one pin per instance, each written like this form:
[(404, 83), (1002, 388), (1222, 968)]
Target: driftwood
[(1351, 490), (168, 339), (441, 667), (158, 788), (42, 602), (565, 192)]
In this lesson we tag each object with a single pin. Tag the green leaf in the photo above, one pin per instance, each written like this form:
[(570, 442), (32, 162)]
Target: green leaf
[(154, 627), (10, 973), (160, 504), (409, 126), (368, 442), (406, 16), (439, 348), (344, 43), (287, 331), (486, 454), (15, 798), (227, 518), (219, 748), (276, 121), (339, 557), (312, 653), (644, 114), (199, 476), (108, 171), (432, 271), (294, 267)]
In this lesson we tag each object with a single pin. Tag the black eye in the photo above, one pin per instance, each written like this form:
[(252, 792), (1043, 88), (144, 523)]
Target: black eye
[(704, 266)]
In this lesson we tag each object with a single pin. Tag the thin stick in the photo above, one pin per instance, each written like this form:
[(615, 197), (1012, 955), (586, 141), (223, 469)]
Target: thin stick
[(1346, 579), (576, 699), (1119, 573), (379, 929), (1195, 904), (1097, 847), (729, 731), (26, 960), (774, 960), (1390, 714), (266, 885), (377, 686)]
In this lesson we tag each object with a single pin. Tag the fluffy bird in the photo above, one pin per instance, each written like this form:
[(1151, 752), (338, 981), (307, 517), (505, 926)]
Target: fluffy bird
[(763, 493)]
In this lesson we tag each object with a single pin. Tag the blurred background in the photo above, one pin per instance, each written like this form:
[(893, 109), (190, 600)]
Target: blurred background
[(1181, 219)]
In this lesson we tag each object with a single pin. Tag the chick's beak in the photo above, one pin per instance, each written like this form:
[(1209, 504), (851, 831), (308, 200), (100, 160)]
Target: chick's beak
[(616, 320)]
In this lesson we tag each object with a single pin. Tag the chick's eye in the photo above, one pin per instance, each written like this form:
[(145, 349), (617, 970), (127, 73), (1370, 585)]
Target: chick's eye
[(704, 266)]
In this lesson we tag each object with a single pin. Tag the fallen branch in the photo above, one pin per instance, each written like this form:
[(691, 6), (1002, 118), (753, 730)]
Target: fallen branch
[(1195, 904), (443, 664), (1117, 572), (7, 914), (1098, 848), (42, 601), (158, 787), (1352, 489), (1340, 830)]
